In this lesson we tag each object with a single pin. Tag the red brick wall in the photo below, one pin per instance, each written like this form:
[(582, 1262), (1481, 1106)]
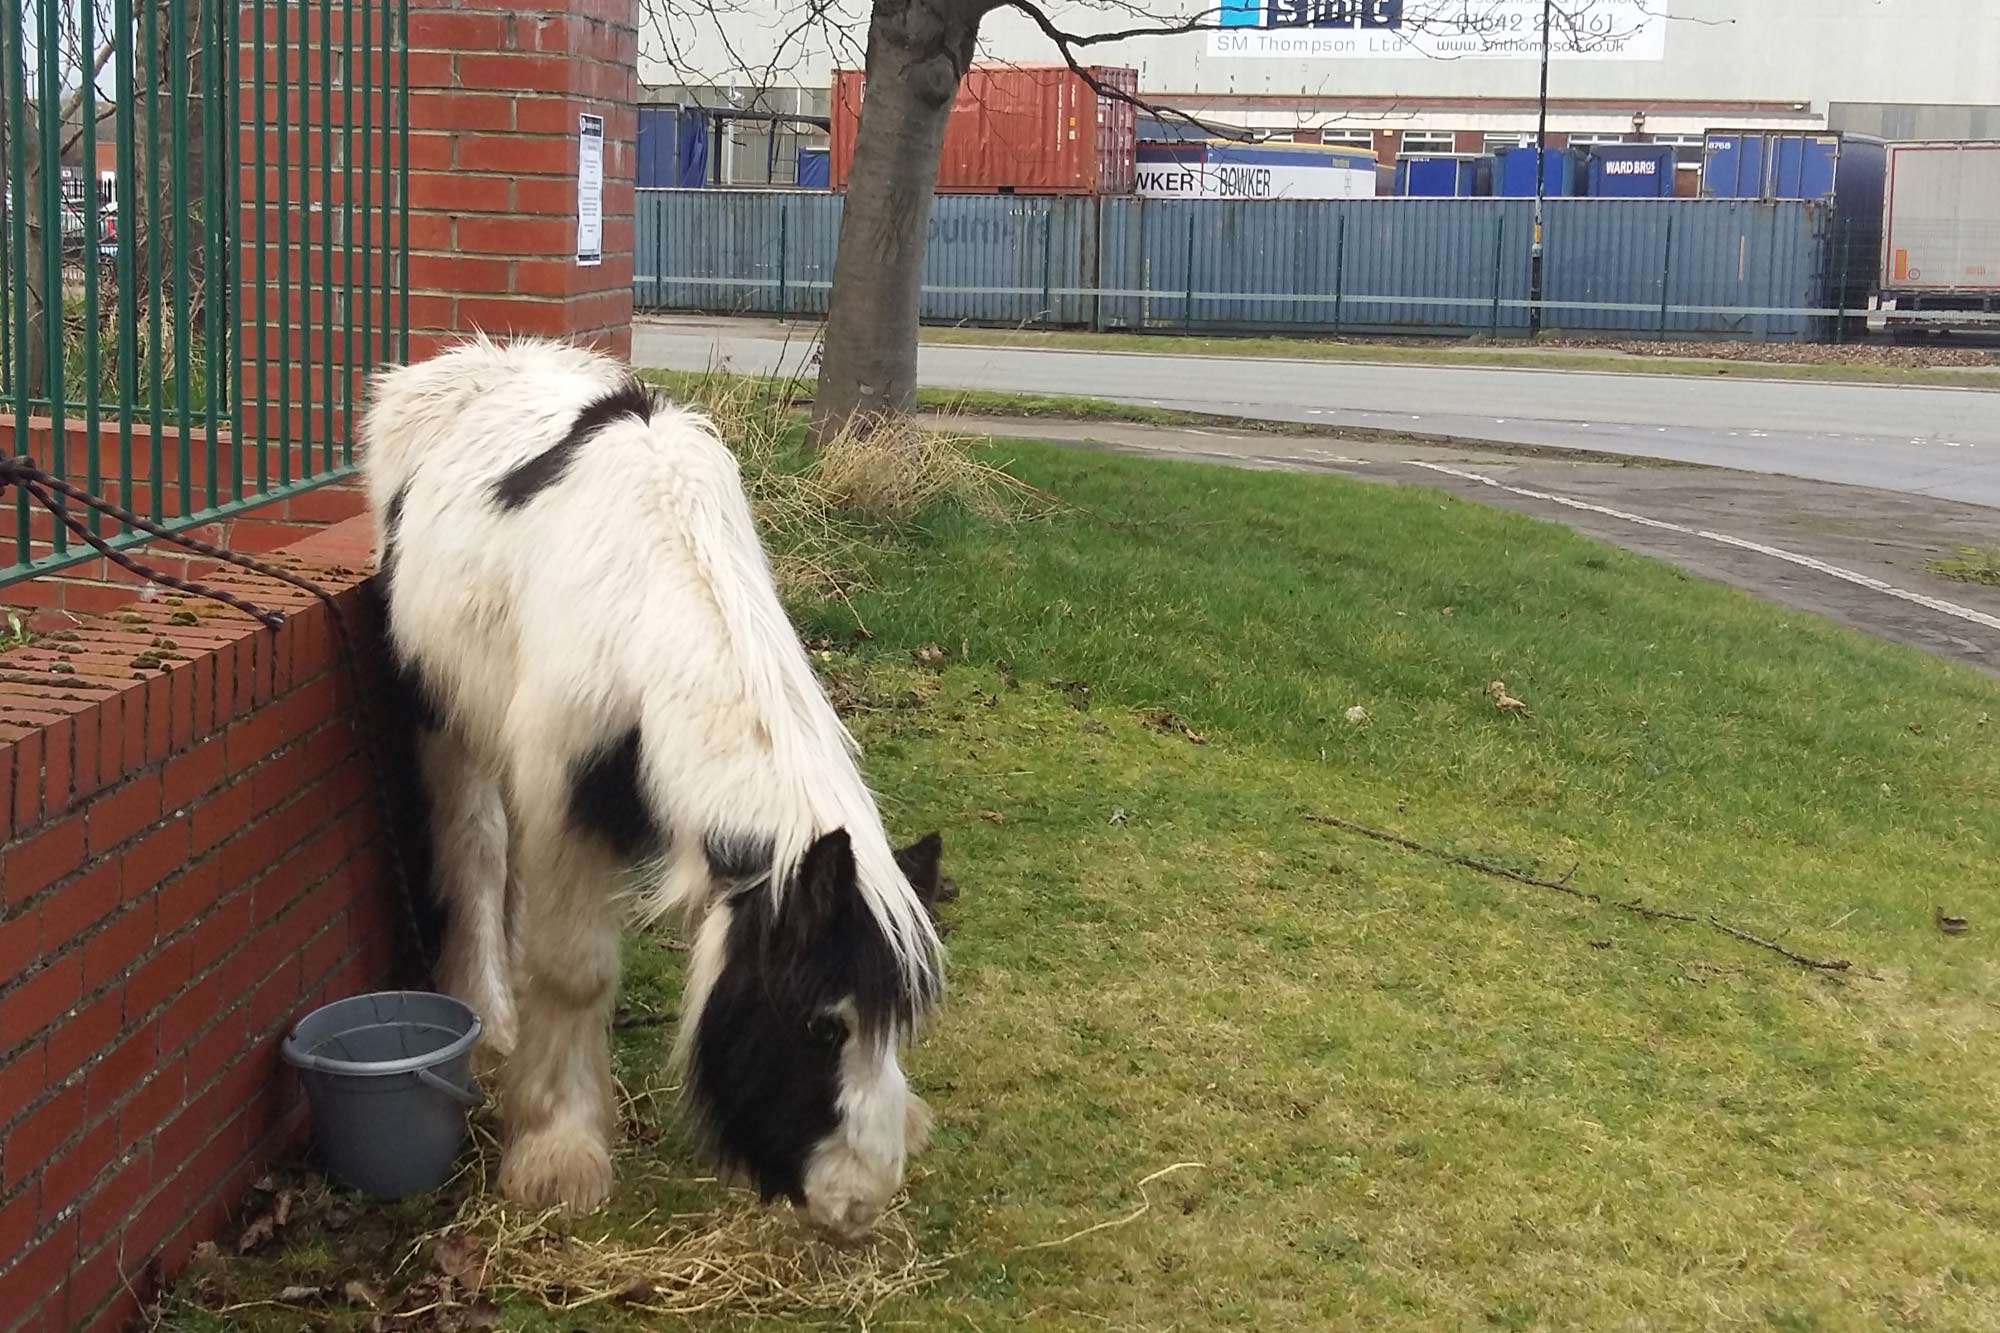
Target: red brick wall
[(190, 859), (495, 92)]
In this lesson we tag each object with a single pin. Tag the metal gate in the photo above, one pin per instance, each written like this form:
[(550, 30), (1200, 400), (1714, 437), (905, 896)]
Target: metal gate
[(203, 228)]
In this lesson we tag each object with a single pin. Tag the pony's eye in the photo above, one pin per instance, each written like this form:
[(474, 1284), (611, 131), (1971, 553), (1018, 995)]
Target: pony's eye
[(827, 1030)]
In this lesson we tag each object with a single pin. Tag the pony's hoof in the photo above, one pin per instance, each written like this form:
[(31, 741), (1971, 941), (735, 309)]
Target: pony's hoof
[(490, 1056), (554, 1170)]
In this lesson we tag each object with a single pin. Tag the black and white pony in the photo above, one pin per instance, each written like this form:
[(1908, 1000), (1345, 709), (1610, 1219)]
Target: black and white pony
[(577, 595)]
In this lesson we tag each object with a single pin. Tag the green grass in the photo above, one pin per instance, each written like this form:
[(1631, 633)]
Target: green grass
[(1420, 1098), (1969, 564), (1546, 357)]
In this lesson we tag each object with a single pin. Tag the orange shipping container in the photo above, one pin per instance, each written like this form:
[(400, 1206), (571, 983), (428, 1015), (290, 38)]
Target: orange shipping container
[(1017, 129)]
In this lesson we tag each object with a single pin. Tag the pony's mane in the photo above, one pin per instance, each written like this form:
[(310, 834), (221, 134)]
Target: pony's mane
[(815, 757)]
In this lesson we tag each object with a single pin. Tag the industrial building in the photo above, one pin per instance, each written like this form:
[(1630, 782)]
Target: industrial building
[(1394, 76)]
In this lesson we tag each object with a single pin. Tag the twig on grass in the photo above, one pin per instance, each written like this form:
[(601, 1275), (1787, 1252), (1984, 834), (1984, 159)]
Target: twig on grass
[(1563, 886), (1112, 1224)]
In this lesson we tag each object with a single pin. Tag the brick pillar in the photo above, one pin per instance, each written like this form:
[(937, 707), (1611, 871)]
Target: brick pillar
[(496, 91)]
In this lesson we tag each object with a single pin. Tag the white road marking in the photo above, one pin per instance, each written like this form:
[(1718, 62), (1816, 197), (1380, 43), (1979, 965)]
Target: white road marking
[(1792, 557)]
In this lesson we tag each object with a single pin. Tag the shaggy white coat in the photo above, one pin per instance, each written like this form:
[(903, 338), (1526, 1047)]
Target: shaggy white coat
[(633, 591)]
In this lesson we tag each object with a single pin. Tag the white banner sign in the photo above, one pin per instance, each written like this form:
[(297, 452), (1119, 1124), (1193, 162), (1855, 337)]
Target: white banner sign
[(1441, 29), (1232, 180)]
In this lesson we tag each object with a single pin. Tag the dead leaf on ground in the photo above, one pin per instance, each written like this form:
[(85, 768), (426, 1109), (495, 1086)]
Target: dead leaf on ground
[(1169, 723), (930, 655), (993, 816), (1952, 925), (462, 1258), (300, 1295), (258, 1234), (1504, 701), (356, 1292)]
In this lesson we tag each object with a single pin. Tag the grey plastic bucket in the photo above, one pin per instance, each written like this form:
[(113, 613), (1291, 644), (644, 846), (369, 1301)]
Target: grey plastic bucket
[(389, 1078)]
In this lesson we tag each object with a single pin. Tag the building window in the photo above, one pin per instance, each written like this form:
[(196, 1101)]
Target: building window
[(1498, 141), (1585, 140), (1427, 141), (1687, 148), (1348, 138)]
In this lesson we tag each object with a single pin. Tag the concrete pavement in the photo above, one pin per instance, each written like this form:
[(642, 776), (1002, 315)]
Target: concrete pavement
[(1927, 441)]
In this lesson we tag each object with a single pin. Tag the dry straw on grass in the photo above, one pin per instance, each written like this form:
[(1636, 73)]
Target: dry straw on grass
[(742, 1258), (746, 1260)]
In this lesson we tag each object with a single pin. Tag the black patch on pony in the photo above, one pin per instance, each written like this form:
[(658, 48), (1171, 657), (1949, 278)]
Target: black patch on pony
[(738, 856), (392, 524), (921, 863), (527, 480), (414, 699), (406, 711), (764, 1065), (605, 798)]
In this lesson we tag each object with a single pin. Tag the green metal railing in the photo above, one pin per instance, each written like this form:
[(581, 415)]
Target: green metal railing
[(187, 330)]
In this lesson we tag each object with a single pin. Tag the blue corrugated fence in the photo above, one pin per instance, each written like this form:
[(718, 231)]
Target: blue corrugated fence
[(1753, 268)]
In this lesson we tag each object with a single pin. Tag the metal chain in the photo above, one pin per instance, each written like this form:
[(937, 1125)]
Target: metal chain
[(47, 488)]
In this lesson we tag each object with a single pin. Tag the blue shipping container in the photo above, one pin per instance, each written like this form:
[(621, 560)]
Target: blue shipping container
[(1444, 176), (1514, 173), (672, 148), (1845, 170), (1629, 171), (815, 170)]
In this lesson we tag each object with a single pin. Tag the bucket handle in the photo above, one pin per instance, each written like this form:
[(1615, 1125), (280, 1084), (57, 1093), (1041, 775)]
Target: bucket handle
[(470, 1098)]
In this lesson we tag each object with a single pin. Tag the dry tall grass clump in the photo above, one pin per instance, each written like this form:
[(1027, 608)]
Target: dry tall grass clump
[(819, 512), (898, 469)]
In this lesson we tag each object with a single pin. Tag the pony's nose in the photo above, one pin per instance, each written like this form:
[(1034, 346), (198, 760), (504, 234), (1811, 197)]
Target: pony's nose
[(848, 1219)]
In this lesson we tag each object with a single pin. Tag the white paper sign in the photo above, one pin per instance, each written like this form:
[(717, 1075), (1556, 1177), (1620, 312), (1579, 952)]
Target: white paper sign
[(1440, 29), (590, 190)]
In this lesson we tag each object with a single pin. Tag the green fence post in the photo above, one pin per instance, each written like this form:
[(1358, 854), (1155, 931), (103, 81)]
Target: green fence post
[(388, 179), (17, 212), (94, 474), (1187, 307), (1048, 240), (1666, 274), (215, 262), (307, 468), (1339, 271), (1842, 239), (51, 48), (403, 177), (128, 222), (284, 288), (1499, 261), (177, 94), (347, 229), (324, 325)]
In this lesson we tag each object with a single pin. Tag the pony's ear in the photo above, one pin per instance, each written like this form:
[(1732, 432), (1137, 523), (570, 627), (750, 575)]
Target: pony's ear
[(826, 883), (919, 863)]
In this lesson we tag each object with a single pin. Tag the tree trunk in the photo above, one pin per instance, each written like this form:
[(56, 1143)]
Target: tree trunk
[(918, 50)]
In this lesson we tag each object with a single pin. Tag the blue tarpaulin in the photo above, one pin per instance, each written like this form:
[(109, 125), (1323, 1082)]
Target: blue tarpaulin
[(673, 147)]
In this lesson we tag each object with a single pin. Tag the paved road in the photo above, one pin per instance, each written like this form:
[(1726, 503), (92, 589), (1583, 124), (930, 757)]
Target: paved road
[(1937, 442)]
